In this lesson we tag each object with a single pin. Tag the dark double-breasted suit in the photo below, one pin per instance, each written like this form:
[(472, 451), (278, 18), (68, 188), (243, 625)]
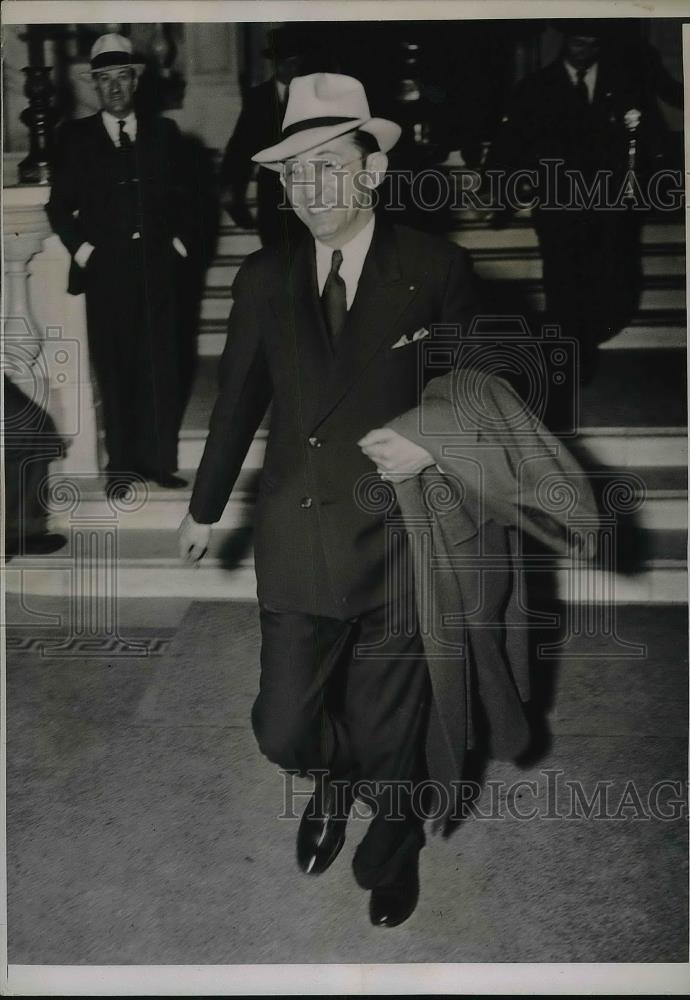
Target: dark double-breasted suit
[(318, 526), (103, 194), (325, 566)]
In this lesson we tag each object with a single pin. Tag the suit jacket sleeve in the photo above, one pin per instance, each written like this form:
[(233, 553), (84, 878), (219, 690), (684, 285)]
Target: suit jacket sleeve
[(244, 392), (65, 191), (186, 216)]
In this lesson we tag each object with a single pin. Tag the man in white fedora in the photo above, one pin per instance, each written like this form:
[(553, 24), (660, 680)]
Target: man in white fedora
[(120, 205), (332, 331)]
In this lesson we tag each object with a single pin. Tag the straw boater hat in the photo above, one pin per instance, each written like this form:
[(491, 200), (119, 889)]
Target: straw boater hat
[(110, 51), (320, 107)]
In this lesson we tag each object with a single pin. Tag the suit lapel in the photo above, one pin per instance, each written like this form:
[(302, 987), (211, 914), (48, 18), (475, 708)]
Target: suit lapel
[(297, 308), (101, 139), (382, 295)]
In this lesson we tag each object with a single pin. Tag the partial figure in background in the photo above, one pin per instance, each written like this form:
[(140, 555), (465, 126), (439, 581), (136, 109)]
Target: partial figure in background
[(259, 125), (119, 203), (31, 443), (582, 125)]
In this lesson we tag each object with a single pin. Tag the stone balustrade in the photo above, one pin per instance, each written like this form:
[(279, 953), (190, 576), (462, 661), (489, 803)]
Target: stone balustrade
[(45, 345)]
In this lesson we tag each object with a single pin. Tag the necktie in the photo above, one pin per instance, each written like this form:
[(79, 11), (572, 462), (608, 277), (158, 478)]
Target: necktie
[(334, 299), (125, 140), (581, 86)]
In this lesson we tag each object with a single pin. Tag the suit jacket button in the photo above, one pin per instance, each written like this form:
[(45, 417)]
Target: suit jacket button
[(306, 502), (315, 442)]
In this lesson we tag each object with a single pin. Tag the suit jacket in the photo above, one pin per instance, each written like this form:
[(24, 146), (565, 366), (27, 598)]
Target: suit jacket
[(319, 522), (92, 199), (496, 466), (545, 119)]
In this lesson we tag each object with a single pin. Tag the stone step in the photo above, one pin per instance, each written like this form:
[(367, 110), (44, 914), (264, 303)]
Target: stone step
[(636, 388), (660, 330), (659, 293), (495, 264), (478, 235), (147, 565), (663, 493), (620, 447)]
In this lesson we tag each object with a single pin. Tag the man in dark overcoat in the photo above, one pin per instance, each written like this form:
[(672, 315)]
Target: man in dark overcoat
[(119, 204), (585, 127), (333, 334)]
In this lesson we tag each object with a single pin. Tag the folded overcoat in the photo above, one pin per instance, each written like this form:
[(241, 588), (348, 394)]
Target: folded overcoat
[(495, 462)]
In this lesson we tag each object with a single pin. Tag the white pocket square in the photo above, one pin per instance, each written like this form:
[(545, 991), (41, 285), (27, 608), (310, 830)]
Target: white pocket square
[(405, 340)]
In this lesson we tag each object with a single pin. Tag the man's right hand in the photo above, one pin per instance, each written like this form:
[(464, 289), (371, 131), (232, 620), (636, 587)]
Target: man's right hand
[(193, 539)]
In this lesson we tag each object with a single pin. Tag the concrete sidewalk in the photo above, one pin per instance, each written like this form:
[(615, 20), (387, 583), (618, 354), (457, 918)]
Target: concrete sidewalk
[(142, 820)]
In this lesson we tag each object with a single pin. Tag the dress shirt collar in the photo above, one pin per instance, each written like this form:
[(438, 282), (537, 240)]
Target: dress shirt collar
[(113, 127), (282, 89), (590, 76), (354, 254)]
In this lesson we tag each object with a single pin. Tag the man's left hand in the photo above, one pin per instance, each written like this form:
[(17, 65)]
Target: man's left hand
[(395, 456)]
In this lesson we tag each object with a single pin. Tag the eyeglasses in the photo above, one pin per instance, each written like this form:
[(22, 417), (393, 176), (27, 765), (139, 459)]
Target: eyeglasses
[(296, 170)]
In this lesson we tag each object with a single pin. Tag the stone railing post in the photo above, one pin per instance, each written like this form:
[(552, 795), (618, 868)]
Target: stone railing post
[(45, 347)]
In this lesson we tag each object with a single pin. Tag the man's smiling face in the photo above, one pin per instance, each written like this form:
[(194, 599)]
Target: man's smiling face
[(329, 188), (116, 87)]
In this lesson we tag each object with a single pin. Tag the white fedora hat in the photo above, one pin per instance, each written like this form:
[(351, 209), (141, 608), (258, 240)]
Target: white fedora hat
[(320, 107), (110, 51)]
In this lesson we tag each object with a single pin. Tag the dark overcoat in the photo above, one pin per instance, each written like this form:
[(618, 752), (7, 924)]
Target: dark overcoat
[(495, 461), (103, 195)]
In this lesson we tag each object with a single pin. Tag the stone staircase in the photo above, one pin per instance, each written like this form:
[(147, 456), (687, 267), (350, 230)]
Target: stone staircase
[(633, 418)]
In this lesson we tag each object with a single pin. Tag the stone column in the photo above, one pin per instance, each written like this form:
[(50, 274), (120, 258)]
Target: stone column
[(46, 351)]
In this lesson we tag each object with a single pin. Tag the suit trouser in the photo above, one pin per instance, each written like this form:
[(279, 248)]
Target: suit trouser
[(591, 266), (133, 342), (326, 703)]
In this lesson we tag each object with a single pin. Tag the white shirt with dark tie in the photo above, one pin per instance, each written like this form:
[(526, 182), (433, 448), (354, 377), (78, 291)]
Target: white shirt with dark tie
[(112, 126), (590, 77), (353, 253)]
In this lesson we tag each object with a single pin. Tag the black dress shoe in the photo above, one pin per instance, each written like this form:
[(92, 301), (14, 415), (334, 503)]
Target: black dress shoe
[(170, 482), (390, 905), (165, 479), (321, 831), (37, 545)]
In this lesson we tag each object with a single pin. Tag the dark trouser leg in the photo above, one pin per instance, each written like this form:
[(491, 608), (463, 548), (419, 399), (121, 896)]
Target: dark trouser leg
[(292, 717), (387, 699), (112, 320), (158, 385), (131, 320), (566, 254), (613, 271), (323, 705)]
